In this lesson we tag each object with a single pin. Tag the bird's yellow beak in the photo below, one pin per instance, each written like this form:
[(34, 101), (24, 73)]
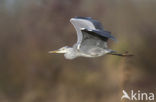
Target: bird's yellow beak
[(56, 51)]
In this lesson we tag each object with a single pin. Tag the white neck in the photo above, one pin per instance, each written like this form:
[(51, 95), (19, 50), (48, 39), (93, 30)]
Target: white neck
[(70, 54)]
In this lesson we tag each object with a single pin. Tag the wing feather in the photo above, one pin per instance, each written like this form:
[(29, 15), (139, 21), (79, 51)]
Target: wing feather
[(79, 24), (105, 35), (91, 27)]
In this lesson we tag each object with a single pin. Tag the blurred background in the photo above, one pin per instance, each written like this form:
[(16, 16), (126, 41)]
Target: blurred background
[(31, 28)]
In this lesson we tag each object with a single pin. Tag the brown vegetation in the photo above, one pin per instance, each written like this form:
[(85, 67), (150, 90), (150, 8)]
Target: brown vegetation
[(29, 29)]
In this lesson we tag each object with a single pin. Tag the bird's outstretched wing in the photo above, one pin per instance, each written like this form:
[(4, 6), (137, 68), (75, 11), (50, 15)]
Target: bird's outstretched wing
[(89, 26), (91, 43), (105, 35)]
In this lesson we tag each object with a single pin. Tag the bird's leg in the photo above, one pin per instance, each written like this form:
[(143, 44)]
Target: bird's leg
[(125, 54)]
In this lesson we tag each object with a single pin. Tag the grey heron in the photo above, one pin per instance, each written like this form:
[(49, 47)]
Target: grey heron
[(91, 40)]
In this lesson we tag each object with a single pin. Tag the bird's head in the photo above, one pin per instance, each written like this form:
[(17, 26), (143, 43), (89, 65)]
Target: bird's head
[(68, 52), (64, 49)]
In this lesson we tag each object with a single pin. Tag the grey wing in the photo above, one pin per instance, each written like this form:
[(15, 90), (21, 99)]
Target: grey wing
[(80, 23), (105, 35), (95, 23), (91, 43)]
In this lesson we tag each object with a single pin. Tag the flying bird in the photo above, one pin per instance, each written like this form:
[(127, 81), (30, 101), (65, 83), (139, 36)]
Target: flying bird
[(91, 40)]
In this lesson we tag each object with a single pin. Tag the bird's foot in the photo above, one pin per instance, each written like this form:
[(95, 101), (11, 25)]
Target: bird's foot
[(125, 54)]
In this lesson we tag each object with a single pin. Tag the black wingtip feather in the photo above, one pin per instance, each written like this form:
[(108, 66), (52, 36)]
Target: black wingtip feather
[(79, 17), (95, 34), (104, 35)]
